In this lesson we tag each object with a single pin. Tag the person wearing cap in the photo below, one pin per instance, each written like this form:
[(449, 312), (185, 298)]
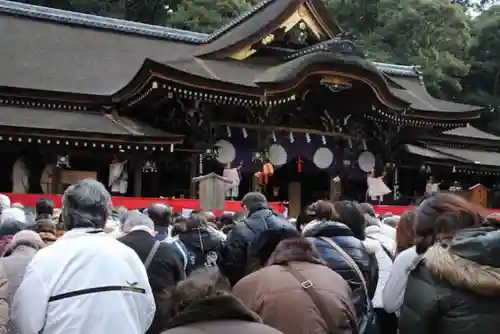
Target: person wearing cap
[(260, 218)]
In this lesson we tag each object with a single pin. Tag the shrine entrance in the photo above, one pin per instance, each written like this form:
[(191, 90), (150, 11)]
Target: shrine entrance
[(300, 182)]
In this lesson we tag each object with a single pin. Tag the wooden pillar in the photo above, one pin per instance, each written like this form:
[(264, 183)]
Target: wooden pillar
[(193, 168), (294, 199), (335, 188), (56, 180), (137, 170)]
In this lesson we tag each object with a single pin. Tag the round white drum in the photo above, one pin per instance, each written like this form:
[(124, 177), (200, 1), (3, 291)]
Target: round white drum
[(277, 155), (366, 161), (227, 152), (323, 158)]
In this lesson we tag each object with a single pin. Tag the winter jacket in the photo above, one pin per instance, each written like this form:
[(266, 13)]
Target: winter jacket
[(79, 262), (384, 265), (224, 314), (181, 252), (235, 262), (164, 271), (395, 286), (344, 238), (283, 303), (204, 248), (383, 234), (456, 287), (12, 267)]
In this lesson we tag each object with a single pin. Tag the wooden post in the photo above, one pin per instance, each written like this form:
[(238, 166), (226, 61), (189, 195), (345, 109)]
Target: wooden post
[(294, 199), (193, 164), (56, 180), (212, 191), (137, 170)]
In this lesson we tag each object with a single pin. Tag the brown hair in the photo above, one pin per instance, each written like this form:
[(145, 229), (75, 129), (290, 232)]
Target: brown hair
[(405, 232), (323, 210), (201, 284), (441, 216)]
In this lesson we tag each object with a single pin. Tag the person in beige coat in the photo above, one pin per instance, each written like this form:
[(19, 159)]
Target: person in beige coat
[(297, 293), (13, 264)]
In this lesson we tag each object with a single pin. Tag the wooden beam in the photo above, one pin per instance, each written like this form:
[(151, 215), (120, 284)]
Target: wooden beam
[(282, 128)]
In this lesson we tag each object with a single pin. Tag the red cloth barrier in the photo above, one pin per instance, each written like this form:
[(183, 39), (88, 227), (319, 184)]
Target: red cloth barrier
[(178, 205), (29, 200)]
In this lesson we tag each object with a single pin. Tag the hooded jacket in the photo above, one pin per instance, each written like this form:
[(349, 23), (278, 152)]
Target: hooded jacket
[(243, 233), (58, 290), (281, 300), (456, 287), (12, 267), (204, 248), (355, 248), (223, 314)]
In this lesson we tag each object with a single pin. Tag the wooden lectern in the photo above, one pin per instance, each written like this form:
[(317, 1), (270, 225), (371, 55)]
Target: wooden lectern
[(212, 191), (479, 195)]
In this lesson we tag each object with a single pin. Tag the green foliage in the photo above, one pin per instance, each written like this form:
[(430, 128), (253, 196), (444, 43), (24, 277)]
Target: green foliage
[(482, 85), (431, 33), (206, 15)]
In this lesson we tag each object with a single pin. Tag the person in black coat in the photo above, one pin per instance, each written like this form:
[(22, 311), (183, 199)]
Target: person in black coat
[(326, 225), (455, 288), (204, 248), (260, 218), (165, 269)]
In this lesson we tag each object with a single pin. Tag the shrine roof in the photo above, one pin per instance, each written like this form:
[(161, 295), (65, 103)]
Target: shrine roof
[(83, 123), (471, 132), (478, 158), (57, 51)]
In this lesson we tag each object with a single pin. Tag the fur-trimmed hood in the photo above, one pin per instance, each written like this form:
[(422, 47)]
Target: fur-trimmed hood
[(25, 238), (470, 261), (222, 307)]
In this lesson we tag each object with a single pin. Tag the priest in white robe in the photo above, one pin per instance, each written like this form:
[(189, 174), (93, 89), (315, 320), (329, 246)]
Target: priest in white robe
[(232, 174), (20, 177), (118, 178), (377, 188)]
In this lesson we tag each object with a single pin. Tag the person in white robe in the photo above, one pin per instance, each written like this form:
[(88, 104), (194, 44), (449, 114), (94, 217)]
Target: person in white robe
[(118, 177), (232, 174), (20, 177), (431, 188), (377, 188)]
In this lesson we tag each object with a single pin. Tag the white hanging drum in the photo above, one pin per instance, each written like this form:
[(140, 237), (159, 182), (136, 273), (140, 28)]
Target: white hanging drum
[(227, 152), (277, 155), (323, 158), (366, 161)]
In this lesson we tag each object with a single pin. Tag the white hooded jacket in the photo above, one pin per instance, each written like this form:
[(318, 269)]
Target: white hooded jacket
[(78, 262), (384, 268)]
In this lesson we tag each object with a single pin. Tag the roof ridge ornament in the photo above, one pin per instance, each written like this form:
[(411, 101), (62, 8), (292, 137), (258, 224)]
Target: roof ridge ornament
[(342, 43), (419, 73)]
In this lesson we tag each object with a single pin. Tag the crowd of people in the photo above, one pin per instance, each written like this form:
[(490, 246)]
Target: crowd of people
[(339, 268)]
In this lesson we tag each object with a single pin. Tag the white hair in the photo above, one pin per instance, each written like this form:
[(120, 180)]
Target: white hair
[(139, 220), (13, 214), (4, 201)]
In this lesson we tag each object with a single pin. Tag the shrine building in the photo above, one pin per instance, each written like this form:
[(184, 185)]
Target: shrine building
[(281, 84)]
